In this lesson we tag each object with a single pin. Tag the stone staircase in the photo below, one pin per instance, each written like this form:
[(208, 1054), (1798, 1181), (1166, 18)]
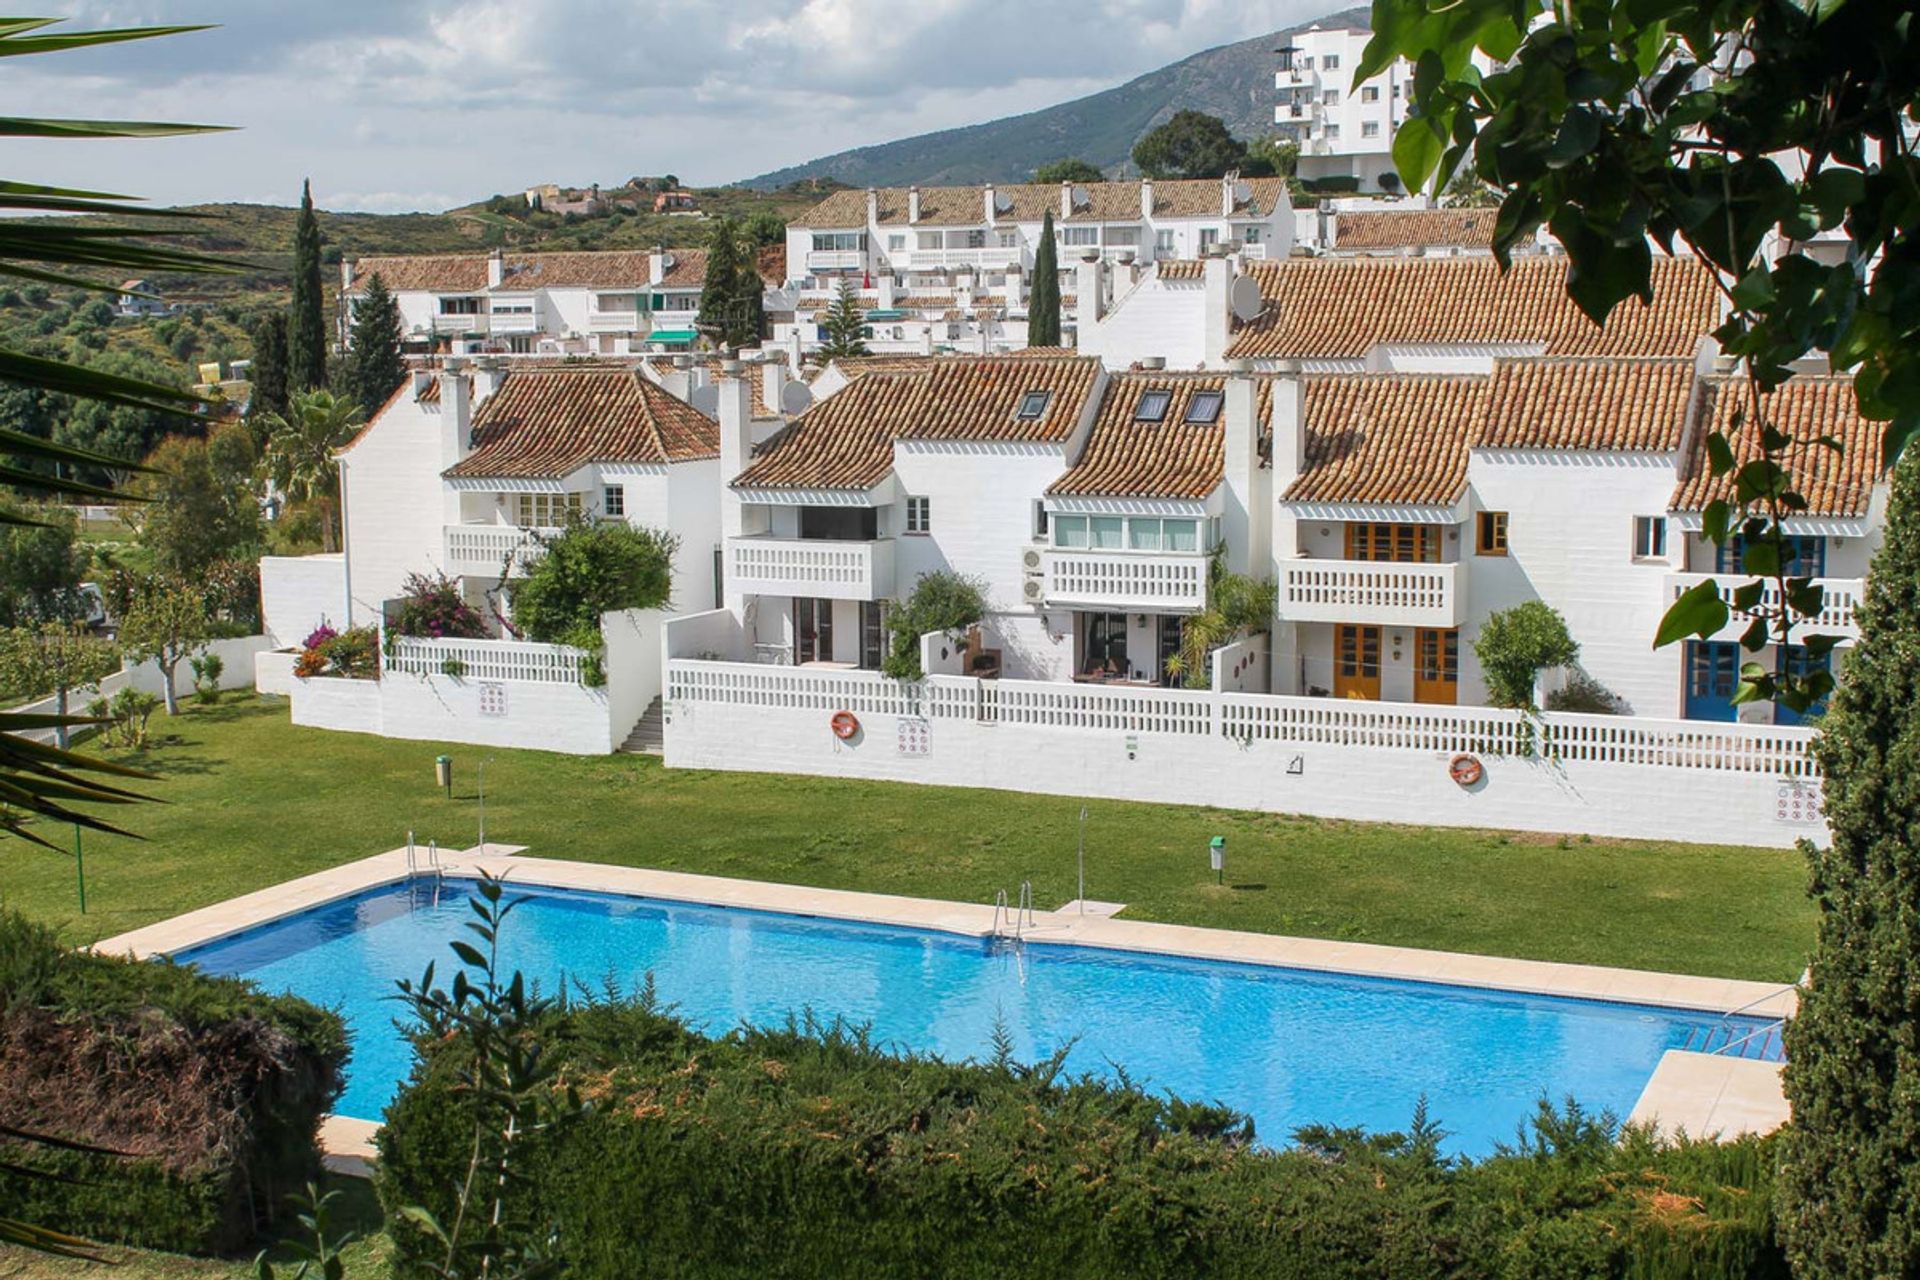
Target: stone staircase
[(649, 736)]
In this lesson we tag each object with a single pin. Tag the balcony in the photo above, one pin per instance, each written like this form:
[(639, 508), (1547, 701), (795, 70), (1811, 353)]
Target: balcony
[(619, 321), (1836, 616), (991, 258), (828, 569), (460, 322), (513, 322), (478, 550), (836, 260), (1384, 592), (1155, 582)]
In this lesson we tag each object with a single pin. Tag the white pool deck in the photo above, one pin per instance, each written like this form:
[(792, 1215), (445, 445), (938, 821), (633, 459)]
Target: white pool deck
[(1699, 1094)]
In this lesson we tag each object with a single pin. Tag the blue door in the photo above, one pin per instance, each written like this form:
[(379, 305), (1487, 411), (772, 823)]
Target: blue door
[(1713, 673), (1796, 662)]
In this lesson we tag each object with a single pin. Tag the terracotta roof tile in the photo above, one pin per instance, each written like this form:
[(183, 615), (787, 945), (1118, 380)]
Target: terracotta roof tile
[(524, 272), (1171, 458), (1414, 228), (1181, 269), (621, 269), (453, 272), (1339, 308), (1398, 439), (685, 269), (1623, 405), (1806, 407), (546, 423), (846, 440), (1029, 202)]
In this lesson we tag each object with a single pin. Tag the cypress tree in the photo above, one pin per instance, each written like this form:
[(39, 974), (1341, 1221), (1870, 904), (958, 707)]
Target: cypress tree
[(1849, 1190), (720, 311), (1043, 300), (842, 326), (749, 295), (306, 327), (374, 363), (269, 374)]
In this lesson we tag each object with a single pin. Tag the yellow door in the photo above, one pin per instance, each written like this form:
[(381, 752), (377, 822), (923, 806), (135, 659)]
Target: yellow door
[(1356, 662), (1436, 666)]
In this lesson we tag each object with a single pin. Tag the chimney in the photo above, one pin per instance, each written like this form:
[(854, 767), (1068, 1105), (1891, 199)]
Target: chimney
[(1146, 197), (873, 207), (773, 383), (1152, 364), (490, 374), (1246, 518), (496, 268), (422, 379), (346, 273), (656, 265), (1090, 285), (986, 204), (1287, 418), (1217, 274), (678, 381), (736, 440), (913, 204), (1228, 181), (1066, 200), (456, 412)]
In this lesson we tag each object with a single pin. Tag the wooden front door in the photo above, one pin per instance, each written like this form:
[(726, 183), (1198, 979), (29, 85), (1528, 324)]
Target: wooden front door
[(1356, 662), (1436, 666), (812, 630)]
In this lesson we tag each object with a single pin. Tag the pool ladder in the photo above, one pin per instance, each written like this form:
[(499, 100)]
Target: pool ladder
[(1011, 924), (1722, 1039), (419, 868)]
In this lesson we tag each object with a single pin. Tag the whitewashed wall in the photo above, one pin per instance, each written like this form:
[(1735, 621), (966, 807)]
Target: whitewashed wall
[(236, 654), (635, 653), (298, 593), (1154, 318), (436, 708), (1612, 776), (397, 507)]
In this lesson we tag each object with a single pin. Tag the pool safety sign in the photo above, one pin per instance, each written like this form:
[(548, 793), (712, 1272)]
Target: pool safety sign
[(1796, 802), (493, 698), (915, 736)]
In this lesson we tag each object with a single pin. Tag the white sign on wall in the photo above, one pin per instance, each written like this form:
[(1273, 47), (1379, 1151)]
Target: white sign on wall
[(493, 698), (916, 736), (1797, 801)]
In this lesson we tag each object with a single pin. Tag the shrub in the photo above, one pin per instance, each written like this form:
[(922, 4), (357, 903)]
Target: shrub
[(940, 601), (1515, 645), (805, 1151), (433, 607), (207, 670), (353, 653), (1586, 695), (589, 569), (127, 716), (214, 1090)]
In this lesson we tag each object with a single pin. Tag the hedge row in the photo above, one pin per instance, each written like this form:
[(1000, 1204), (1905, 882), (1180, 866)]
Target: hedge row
[(209, 1092), (807, 1152)]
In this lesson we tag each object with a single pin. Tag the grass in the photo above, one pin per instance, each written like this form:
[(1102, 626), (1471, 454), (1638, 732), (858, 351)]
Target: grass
[(252, 800)]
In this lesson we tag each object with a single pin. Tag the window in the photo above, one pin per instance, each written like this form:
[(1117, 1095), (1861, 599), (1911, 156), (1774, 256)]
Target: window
[(1143, 534), (1370, 93), (1205, 406), (977, 239), (1330, 98), (459, 306), (1039, 519), (1124, 237), (1331, 62), (1009, 239), (1209, 236), (919, 515), (1070, 532), (1649, 538), (1180, 535), (613, 501), (1105, 531), (1080, 236), (896, 243), (1806, 556), (839, 241), (1333, 131), (1491, 538), (1033, 405), (1369, 128), (1402, 543), (545, 510), (1250, 235), (1152, 406), (1306, 63), (1162, 243)]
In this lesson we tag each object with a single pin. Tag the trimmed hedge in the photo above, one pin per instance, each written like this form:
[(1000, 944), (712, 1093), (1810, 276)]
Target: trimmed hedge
[(807, 1152), (211, 1092)]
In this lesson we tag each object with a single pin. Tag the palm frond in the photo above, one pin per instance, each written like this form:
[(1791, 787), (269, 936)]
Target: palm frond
[(14, 42)]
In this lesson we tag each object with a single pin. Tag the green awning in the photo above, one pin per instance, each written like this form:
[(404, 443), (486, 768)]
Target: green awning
[(886, 313), (672, 335)]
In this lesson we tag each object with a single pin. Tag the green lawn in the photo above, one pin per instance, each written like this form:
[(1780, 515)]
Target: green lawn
[(253, 800)]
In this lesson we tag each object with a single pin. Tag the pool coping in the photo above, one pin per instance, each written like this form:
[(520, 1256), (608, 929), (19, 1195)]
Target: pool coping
[(1686, 1095)]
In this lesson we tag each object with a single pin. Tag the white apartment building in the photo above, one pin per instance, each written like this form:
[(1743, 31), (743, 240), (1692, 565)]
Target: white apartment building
[(610, 303), (1344, 131), (949, 269)]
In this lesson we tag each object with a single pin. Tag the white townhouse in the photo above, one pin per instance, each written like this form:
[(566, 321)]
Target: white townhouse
[(610, 303), (950, 269), (1343, 131)]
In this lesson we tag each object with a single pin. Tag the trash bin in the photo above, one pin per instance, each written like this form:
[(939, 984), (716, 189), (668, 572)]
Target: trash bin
[(443, 773)]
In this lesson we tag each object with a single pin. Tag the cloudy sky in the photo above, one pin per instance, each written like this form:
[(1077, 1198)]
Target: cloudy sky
[(425, 104)]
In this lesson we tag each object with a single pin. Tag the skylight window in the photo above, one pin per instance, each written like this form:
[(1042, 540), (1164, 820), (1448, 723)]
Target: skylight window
[(1205, 406), (1152, 406), (1033, 405)]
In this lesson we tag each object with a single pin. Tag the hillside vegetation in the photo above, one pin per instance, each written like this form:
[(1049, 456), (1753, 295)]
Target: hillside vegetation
[(1233, 82)]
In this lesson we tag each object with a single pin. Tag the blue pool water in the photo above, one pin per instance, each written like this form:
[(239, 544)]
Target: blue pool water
[(1287, 1046)]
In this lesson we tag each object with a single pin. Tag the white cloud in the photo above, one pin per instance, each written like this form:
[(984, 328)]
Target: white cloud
[(391, 104)]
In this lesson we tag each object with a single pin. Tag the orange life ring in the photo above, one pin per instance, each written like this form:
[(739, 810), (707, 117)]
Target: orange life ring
[(1465, 770), (844, 725)]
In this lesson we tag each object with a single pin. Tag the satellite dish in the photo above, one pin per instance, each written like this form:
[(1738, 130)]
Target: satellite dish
[(1244, 297), (1081, 197), (1242, 192), (1002, 202), (795, 398)]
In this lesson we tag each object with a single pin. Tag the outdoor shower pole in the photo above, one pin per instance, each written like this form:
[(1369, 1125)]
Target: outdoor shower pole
[(483, 806), (80, 868), (1083, 860)]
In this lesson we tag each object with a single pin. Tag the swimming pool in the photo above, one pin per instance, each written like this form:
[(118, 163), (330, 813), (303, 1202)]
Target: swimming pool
[(1288, 1046)]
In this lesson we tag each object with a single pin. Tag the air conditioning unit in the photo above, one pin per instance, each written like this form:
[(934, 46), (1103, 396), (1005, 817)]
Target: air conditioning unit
[(1031, 559), (1033, 590)]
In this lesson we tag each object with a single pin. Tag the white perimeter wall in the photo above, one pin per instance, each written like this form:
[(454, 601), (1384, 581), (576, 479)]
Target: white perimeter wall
[(397, 507), (541, 716), (1290, 755), (298, 593)]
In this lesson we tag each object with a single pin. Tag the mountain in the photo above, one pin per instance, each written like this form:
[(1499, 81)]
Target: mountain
[(1233, 81)]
